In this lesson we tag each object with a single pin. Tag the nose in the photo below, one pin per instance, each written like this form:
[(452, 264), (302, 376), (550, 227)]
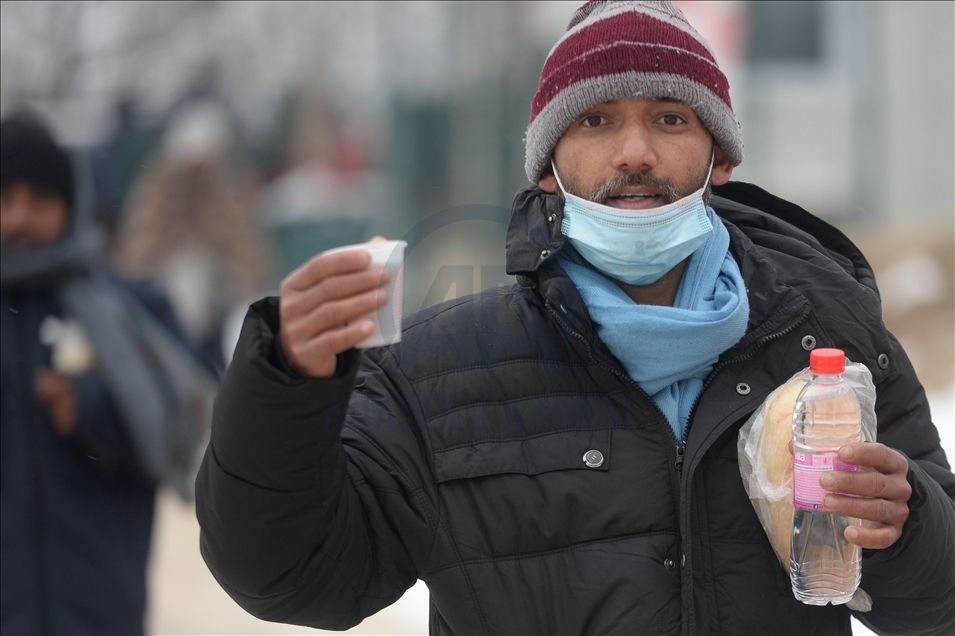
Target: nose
[(634, 152)]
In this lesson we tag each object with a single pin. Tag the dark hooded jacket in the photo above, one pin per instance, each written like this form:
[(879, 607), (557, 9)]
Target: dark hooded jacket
[(76, 512), (456, 457)]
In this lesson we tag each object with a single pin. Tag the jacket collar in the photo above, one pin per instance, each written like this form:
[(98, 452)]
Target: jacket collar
[(533, 241), (533, 236), (750, 206)]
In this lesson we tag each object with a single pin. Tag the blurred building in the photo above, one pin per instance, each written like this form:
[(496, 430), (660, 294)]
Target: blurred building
[(846, 107)]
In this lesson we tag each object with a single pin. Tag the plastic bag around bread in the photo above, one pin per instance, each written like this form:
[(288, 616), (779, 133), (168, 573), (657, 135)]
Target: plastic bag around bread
[(766, 463)]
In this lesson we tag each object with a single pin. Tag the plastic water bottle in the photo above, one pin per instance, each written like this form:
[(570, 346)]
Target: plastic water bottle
[(825, 567)]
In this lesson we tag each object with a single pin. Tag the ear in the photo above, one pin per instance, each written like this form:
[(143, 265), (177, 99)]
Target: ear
[(722, 167), (548, 183)]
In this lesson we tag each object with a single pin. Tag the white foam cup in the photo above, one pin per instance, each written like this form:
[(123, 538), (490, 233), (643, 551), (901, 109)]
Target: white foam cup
[(391, 255)]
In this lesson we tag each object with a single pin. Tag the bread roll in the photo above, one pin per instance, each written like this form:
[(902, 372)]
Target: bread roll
[(776, 467)]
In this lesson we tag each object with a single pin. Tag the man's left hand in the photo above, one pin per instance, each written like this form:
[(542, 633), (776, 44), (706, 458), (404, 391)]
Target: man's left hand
[(882, 489)]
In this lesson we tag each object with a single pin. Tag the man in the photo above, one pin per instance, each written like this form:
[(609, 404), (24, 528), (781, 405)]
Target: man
[(77, 506), (560, 456)]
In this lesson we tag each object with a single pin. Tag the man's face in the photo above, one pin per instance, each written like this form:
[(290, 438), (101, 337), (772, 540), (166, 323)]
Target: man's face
[(636, 154), (30, 216)]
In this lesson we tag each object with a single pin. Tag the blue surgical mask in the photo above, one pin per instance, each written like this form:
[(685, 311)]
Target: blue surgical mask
[(636, 246)]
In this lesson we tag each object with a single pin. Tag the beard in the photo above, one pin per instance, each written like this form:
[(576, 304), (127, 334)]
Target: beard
[(669, 192), (609, 188)]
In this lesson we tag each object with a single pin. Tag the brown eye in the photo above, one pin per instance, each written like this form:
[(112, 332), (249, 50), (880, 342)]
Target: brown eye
[(592, 121), (671, 120)]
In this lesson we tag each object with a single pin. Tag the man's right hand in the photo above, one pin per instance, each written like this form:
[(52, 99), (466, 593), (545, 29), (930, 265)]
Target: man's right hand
[(320, 308), (58, 394)]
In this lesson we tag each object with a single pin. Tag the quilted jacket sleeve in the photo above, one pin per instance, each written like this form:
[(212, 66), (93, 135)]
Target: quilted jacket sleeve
[(912, 583), (291, 524)]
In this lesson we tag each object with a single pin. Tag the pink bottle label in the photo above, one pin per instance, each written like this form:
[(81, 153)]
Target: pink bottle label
[(808, 467)]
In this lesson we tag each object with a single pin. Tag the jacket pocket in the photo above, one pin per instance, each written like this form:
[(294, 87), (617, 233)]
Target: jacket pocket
[(563, 450)]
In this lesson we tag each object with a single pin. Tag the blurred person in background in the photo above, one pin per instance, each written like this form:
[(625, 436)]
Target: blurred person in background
[(117, 161), (560, 456), (77, 504), (190, 227), (331, 194)]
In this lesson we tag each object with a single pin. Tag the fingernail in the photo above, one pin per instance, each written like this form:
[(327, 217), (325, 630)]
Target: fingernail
[(382, 296), (826, 481), (385, 276), (852, 534), (846, 452), (367, 326), (829, 502)]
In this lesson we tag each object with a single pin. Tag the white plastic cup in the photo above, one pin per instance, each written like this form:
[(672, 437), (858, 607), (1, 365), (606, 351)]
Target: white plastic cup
[(391, 255)]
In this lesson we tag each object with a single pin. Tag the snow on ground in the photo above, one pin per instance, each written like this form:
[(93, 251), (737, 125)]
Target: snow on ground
[(943, 413), (185, 599)]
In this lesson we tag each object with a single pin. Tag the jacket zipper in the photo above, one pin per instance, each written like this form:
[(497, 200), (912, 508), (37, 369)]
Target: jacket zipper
[(740, 358), (678, 445), (680, 449)]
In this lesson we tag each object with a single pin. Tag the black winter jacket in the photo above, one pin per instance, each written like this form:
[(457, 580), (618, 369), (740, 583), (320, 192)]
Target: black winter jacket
[(460, 461), (77, 512)]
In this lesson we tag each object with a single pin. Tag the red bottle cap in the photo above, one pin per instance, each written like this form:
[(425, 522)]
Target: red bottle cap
[(827, 361)]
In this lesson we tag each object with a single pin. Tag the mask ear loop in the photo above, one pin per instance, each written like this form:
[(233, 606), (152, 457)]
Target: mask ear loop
[(553, 167), (709, 173)]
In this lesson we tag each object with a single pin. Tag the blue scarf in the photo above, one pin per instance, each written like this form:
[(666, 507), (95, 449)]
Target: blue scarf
[(669, 351)]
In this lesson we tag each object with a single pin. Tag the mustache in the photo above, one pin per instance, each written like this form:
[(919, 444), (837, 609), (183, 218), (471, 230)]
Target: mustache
[(614, 185)]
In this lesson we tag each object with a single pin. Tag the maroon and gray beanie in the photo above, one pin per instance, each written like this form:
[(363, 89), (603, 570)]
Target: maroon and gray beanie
[(619, 50)]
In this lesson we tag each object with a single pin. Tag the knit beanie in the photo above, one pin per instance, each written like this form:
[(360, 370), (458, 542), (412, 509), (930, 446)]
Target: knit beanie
[(28, 153), (619, 50)]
